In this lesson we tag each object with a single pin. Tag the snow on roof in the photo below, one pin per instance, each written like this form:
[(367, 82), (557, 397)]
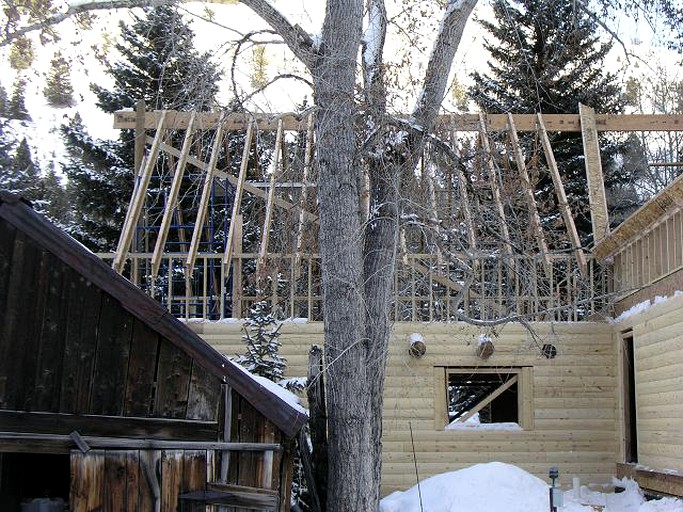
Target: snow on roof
[(643, 306), (285, 395), (499, 487)]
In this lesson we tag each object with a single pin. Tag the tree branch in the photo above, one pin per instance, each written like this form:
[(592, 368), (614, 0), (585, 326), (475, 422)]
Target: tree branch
[(441, 60), (78, 8), (296, 38)]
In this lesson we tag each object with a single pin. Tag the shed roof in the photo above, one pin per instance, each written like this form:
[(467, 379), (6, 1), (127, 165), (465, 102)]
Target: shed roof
[(18, 213)]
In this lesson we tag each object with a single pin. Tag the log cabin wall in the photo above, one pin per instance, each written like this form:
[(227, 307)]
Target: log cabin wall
[(656, 335), (568, 410)]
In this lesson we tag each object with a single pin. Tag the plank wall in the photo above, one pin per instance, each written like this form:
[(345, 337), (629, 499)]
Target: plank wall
[(573, 397), (658, 346)]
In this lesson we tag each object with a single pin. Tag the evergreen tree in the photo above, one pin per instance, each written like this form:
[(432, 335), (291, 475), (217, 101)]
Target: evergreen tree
[(160, 66), (261, 336), (58, 88), (4, 101), (547, 57), (17, 105), (99, 187)]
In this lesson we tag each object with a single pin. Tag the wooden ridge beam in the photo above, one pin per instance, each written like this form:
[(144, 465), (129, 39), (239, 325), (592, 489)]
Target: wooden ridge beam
[(126, 120), (596, 181)]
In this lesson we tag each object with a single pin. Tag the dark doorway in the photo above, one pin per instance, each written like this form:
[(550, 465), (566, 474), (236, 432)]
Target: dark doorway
[(629, 393), (28, 476)]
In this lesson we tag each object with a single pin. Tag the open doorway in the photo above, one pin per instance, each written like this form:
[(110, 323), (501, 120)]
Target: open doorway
[(25, 477), (629, 397)]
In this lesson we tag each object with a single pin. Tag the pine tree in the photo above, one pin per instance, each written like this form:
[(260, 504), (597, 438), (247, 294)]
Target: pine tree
[(547, 57), (160, 66), (58, 88), (17, 106), (261, 336), (4, 101), (99, 187)]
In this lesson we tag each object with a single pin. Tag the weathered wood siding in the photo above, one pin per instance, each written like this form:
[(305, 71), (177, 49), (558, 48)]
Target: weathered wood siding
[(136, 480), (68, 347), (658, 346), (573, 397)]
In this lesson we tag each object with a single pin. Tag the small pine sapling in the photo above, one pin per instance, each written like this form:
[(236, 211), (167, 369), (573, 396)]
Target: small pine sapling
[(261, 336)]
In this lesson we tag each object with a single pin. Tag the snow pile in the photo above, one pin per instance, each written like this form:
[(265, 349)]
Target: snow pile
[(474, 423), (499, 487)]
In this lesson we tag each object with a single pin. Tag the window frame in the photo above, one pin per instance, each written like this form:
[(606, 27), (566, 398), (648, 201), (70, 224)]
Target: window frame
[(525, 391)]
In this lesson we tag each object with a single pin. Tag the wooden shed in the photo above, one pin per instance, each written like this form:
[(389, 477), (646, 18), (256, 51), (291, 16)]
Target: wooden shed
[(107, 402)]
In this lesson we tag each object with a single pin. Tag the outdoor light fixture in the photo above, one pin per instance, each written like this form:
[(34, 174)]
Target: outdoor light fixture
[(555, 491)]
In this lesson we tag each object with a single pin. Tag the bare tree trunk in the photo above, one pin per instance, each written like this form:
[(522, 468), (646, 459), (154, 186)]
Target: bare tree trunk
[(348, 394)]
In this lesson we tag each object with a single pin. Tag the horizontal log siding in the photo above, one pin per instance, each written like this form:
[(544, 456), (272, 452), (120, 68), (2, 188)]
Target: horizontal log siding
[(658, 341), (574, 397)]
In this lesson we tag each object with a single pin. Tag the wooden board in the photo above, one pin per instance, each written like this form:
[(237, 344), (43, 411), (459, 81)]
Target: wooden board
[(83, 307), (111, 359), (173, 382), (463, 122), (140, 381)]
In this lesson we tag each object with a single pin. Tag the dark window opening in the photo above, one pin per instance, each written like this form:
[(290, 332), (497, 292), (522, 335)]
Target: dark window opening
[(30, 476), (493, 396)]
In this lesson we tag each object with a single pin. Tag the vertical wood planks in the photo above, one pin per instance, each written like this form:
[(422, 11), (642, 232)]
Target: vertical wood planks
[(205, 391), (87, 481), (20, 330), (173, 381), (83, 307), (141, 370), (52, 329), (111, 359)]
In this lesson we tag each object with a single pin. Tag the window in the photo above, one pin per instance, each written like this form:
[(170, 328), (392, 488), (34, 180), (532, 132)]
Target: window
[(487, 398)]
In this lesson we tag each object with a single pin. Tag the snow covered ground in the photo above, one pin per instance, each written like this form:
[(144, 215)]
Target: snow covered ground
[(499, 487)]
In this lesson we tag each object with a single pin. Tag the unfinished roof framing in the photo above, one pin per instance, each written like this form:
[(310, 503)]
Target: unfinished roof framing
[(224, 213)]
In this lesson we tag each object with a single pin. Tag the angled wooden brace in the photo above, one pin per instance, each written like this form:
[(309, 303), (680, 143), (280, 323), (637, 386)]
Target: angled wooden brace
[(204, 201), (565, 210), (529, 194), (270, 200), (239, 190), (173, 196), (308, 163), (138, 199), (493, 175), (596, 182)]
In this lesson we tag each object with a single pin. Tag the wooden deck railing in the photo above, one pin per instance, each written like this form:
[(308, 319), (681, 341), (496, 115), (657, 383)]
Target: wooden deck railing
[(425, 288)]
